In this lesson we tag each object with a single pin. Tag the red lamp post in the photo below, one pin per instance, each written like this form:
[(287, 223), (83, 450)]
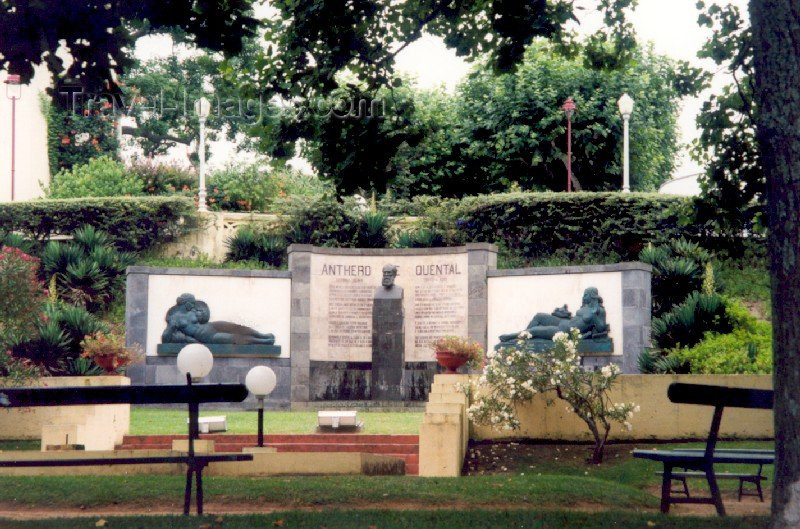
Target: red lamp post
[(13, 92), (569, 110)]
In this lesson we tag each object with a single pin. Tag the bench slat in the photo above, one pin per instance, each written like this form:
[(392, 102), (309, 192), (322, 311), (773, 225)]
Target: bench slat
[(141, 460), (708, 395), (73, 396), (677, 456)]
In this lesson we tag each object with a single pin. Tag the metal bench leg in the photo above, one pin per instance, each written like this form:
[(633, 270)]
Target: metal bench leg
[(199, 492), (685, 488), (741, 488), (760, 492), (666, 488), (187, 493), (715, 494)]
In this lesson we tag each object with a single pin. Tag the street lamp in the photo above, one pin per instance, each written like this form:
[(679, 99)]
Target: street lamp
[(202, 108), (626, 109), (260, 381), (13, 92), (194, 362), (569, 110)]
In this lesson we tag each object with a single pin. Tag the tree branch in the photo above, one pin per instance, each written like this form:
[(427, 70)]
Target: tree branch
[(157, 138)]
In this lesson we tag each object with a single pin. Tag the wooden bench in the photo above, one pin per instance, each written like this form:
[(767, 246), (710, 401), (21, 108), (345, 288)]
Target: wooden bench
[(700, 462), (191, 394)]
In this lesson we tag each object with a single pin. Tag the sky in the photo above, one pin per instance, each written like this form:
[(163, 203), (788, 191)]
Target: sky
[(670, 25)]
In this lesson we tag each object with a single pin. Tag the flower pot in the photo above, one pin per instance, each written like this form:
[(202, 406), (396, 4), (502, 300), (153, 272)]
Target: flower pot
[(451, 362), (107, 362)]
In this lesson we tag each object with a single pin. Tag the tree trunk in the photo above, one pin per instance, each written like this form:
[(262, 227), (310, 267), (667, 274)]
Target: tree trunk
[(776, 36)]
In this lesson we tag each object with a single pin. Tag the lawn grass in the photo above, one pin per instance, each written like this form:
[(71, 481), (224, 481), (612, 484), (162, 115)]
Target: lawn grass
[(153, 421), (308, 491), (619, 466), (500, 519)]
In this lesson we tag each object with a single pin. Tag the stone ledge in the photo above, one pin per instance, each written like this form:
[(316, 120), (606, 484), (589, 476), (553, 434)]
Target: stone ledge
[(560, 270), (162, 271)]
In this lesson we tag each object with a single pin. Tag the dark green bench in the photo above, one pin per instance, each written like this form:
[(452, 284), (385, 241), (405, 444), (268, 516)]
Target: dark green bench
[(191, 394), (700, 463)]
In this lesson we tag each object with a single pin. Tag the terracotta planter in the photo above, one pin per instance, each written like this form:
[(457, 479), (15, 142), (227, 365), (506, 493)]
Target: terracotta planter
[(450, 361), (107, 362)]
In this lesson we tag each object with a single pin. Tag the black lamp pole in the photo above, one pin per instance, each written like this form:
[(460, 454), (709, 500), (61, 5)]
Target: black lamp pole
[(260, 422)]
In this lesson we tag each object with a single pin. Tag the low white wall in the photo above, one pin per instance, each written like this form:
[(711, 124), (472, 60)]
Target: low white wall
[(98, 427)]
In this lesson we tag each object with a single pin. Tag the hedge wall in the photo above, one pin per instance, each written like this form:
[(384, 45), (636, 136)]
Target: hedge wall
[(134, 223), (542, 224)]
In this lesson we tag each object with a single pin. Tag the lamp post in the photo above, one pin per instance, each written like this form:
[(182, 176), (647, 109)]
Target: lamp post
[(626, 109), (194, 362), (569, 110), (260, 381), (202, 108), (13, 92)]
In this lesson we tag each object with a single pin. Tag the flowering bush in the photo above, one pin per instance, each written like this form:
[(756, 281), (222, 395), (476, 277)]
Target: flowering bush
[(21, 296), (513, 376)]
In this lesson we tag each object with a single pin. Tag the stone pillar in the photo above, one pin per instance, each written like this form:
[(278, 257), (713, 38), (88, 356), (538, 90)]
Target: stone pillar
[(300, 323), (636, 309), (482, 257), (388, 347)]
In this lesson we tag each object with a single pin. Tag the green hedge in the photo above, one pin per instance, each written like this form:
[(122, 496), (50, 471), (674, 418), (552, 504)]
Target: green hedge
[(134, 223), (536, 225)]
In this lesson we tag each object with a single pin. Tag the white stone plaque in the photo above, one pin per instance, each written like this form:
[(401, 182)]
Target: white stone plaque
[(435, 303)]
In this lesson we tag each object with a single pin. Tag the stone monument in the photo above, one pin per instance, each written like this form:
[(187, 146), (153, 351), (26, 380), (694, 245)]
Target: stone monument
[(590, 320), (388, 344), (188, 322)]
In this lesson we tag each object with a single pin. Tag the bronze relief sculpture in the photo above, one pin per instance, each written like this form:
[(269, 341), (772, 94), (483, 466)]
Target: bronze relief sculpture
[(590, 320), (188, 322)]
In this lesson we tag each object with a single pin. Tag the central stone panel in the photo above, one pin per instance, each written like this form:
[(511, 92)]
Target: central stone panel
[(435, 303)]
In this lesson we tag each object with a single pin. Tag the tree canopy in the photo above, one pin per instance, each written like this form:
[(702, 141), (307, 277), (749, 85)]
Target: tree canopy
[(100, 35)]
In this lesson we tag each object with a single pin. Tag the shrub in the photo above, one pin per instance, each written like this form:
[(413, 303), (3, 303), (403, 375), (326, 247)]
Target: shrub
[(513, 376), (741, 352), (108, 351), (323, 222), (241, 188), (132, 223), (89, 271), (536, 225), (100, 177), (164, 179), (372, 230), (74, 138), (21, 296)]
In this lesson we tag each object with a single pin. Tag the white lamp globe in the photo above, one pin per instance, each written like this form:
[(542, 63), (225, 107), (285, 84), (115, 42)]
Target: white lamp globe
[(625, 105), (260, 381), (196, 360)]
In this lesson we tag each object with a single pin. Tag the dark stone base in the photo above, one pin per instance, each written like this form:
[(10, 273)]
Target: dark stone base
[(160, 370), (539, 345), (224, 350), (352, 381)]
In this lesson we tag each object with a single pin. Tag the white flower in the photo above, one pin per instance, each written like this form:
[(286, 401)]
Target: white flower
[(524, 335), (560, 336), (81, 138), (636, 409), (628, 426)]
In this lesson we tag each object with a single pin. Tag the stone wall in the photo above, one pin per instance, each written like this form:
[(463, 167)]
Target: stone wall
[(445, 429)]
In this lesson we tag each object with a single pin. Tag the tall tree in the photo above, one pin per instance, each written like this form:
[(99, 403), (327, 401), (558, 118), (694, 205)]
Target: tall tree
[(776, 44), (732, 199)]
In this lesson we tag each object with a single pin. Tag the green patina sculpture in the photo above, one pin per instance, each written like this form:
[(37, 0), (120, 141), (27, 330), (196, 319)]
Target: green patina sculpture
[(590, 320), (187, 322)]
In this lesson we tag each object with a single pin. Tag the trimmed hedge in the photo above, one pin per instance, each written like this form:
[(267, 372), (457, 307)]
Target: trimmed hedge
[(537, 225), (133, 223)]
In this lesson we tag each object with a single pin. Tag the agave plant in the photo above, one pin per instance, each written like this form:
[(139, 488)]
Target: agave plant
[(686, 324), (58, 337), (89, 271), (250, 245), (372, 230)]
